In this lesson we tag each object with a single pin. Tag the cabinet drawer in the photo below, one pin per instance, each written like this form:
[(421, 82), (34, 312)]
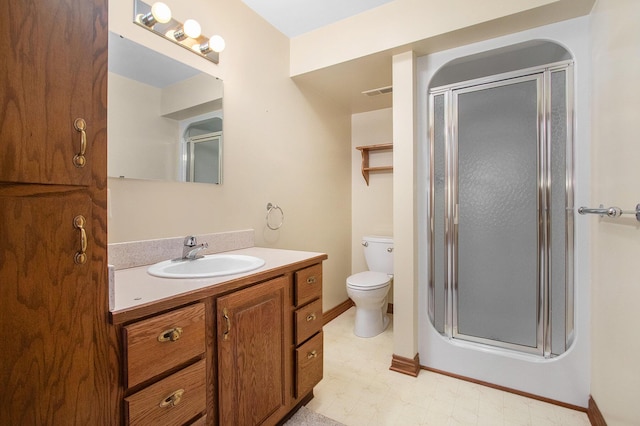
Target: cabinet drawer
[(202, 421), (308, 320), (308, 365), (153, 406), (308, 284), (155, 345)]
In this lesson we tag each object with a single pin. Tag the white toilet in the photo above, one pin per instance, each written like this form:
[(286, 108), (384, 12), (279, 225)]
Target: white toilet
[(369, 289)]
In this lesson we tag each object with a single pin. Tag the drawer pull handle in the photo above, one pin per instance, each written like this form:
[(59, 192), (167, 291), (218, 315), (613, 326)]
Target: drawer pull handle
[(172, 400), (312, 354), (311, 317), (81, 256), (80, 126), (311, 280), (225, 335), (170, 335)]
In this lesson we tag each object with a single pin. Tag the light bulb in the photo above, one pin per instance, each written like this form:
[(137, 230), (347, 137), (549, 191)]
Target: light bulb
[(161, 12), (192, 28), (217, 43)]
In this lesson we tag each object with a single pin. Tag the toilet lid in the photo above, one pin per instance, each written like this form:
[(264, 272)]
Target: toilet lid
[(368, 280)]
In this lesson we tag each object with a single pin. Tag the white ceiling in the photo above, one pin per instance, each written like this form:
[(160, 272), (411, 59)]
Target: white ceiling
[(295, 17)]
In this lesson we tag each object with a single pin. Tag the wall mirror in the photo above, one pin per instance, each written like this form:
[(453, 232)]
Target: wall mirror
[(164, 117)]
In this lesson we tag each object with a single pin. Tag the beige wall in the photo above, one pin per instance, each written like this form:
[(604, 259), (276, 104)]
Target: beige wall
[(616, 242), (404, 22), (371, 205), (405, 226), (281, 146)]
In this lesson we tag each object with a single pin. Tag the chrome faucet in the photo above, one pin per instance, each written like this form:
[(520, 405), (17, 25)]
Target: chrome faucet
[(191, 248)]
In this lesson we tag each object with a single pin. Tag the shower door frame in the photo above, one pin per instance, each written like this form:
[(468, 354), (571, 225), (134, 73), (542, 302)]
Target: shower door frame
[(542, 75)]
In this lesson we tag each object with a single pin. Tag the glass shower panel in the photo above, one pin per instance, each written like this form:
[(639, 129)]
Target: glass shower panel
[(206, 161), (497, 289), (204, 158), (439, 270), (560, 285)]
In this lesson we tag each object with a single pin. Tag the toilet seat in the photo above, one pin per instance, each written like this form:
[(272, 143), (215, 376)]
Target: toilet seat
[(368, 280)]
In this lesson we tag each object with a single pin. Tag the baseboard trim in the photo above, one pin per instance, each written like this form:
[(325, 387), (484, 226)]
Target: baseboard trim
[(506, 389), (593, 412), (408, 366), (335, 312)]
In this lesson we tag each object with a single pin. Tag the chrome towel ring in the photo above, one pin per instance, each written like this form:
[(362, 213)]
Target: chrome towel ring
[(270, 209)]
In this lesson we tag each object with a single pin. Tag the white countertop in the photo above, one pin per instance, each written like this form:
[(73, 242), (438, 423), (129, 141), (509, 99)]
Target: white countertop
[(134, 286)]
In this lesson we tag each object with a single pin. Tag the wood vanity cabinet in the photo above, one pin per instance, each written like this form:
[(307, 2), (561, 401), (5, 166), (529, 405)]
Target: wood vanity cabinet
[(166, 355), (269, 347), (242, 355), (308, 321), (254, 335)]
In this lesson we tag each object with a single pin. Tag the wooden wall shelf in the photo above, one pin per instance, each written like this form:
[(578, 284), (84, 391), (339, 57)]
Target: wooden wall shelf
[(365, 150)]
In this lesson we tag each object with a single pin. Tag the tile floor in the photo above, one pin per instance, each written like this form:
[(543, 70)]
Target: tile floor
[(359, 389)]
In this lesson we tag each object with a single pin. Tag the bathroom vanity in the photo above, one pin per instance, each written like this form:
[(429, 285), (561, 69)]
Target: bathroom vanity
[(243, 349)]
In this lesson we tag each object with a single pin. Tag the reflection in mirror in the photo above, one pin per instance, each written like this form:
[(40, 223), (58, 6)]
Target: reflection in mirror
[(203, 140), (164, 117)]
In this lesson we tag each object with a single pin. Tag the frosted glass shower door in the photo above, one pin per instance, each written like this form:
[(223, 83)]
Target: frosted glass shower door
[(204, 158), (495, 160), (501, 210)]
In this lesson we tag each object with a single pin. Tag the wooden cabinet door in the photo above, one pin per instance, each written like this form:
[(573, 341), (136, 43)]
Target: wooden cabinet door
[(48, 74), (52, 312), (254, 338)]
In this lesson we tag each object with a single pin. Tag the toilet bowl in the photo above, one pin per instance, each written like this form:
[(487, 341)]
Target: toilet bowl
[(369, 289)]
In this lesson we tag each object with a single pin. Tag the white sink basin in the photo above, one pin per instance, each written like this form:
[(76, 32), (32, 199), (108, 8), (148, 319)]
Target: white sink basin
[(213, 265)]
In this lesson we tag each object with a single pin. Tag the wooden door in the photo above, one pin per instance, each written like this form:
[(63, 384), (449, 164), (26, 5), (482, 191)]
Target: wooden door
[(59, 359), (254, 337), (48, 309), (48, 72)]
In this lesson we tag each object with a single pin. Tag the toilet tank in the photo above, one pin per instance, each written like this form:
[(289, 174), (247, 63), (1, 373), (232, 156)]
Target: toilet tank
[(378, 252)]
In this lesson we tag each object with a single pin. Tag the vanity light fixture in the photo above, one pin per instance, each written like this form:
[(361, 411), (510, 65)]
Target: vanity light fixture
[(157, 19)]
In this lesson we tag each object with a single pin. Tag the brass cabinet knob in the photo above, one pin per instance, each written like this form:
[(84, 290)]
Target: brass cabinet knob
[(170, 335), (173, 399)]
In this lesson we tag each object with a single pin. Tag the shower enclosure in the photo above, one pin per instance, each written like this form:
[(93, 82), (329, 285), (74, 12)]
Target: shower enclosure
[(501, 209), (201, 150)]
